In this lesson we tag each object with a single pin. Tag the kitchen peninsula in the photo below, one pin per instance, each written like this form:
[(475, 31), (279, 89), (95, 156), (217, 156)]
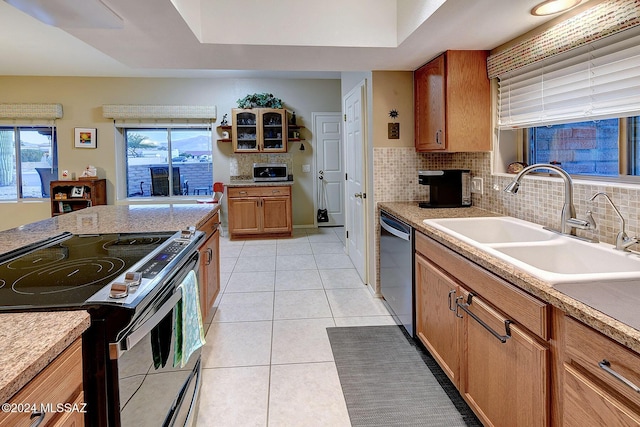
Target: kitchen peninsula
[(31, 341)]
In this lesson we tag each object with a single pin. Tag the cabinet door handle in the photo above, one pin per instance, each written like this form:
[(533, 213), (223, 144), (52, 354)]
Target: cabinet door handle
[(503, 338), (37, 417), (438, 139), (275, 191), (607, 368), (243, 192), (209, 255), (451, 307)]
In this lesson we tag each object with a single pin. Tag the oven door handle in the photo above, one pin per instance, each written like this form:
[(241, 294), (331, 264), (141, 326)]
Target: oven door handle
[(130, 340)]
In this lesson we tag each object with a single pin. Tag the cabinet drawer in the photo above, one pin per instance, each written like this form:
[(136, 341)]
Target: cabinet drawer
[(589, 348), (259, 191), (60, 382), (211, 225), (584, 404), (523, 308)]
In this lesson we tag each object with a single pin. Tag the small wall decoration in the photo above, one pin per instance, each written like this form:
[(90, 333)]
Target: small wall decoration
[(86, 138), (393, 129), (77, 191)]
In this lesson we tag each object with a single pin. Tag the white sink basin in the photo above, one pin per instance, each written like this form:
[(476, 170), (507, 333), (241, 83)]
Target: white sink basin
[(502, 229), (549, 256)]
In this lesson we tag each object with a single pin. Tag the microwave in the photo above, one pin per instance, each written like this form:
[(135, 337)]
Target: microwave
[(448, 188), (270, 172)]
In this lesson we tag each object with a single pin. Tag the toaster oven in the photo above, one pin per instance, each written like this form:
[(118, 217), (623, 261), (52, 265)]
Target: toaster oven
[(270, 172)]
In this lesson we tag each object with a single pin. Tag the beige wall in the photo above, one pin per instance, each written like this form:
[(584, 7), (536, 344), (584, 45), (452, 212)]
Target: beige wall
[(82, 99), (392, 90)]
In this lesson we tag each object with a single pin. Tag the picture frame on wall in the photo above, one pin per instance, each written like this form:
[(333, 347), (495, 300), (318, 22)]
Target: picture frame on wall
[(86, 138)]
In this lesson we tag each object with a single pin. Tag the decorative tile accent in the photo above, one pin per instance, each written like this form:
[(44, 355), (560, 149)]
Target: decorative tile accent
[(241, 165), (602, 20), (539, 200)]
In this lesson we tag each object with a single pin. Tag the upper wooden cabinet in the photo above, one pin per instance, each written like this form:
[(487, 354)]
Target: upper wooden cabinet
[(259, 130), (453, 103)]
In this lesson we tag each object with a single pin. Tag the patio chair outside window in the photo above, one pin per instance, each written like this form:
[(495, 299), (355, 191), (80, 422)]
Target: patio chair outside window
[(160, 181), (46, 176)]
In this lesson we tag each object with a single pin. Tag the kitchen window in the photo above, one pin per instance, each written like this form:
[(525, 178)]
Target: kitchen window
[(168, 161), (578, 109), (606, 148), (28, 161)]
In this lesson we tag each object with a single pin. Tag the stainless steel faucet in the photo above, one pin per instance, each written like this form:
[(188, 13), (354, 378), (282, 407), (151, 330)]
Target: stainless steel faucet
[(623, 241), (568, 219)]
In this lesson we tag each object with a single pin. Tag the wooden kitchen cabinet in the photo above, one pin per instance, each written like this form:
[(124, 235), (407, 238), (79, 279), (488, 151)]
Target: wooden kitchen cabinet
[(452, 97), (600, 379), (436, 325), (263, 211), (59, 383), (259, 130), (506, 371), (491, 344), (210, 266), (91, 192)]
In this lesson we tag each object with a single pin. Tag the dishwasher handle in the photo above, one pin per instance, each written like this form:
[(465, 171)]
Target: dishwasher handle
[(390, 226)]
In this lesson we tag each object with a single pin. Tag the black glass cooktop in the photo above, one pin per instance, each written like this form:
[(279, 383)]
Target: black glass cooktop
[(69, 270)]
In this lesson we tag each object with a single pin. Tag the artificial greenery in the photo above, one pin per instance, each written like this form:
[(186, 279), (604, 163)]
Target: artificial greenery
[(264, 100)]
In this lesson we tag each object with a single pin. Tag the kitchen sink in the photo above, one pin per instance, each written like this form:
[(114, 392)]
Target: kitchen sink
[(549, 256), (503, 229)]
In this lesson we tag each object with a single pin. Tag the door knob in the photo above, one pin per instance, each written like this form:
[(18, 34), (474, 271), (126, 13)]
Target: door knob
[(358, 195)]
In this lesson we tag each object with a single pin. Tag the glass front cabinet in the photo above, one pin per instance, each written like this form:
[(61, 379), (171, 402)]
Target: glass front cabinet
[(259, 130)]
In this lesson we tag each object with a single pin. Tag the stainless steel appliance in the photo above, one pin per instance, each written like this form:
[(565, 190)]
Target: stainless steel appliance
[(129, 284), (270, 172), (396, 269), (448, 188)]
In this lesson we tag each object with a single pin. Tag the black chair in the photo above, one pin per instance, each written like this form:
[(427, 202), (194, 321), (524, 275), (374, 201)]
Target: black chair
[(46, 176), (160, 181)]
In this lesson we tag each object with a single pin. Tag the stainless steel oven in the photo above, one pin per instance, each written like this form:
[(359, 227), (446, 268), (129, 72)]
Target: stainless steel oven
[(129, 284), (150, 390)]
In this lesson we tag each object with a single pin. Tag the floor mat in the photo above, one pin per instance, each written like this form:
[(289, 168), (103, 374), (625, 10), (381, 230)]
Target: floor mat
[(389, 381)]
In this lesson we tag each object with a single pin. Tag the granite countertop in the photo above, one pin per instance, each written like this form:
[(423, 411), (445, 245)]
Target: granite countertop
[(252, 183), (412, 214), (30, 341)]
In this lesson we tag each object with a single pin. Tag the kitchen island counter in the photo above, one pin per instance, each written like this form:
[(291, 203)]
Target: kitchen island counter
[(609, 326), (30, 341)]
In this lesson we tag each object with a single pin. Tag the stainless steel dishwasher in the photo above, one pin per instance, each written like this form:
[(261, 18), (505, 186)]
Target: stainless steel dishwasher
[(396, 269)]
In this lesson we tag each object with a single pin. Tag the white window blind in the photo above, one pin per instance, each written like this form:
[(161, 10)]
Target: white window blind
[(597, 81)]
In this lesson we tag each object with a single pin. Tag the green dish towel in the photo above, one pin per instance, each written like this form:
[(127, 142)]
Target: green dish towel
[(187, 320)]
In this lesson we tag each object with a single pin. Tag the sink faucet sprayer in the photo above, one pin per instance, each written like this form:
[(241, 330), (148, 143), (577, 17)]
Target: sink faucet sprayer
[(623, 241), (568, 219)]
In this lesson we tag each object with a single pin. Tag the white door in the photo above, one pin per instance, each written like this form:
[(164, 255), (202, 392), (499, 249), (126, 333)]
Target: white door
[(354, 109), (327, 131)]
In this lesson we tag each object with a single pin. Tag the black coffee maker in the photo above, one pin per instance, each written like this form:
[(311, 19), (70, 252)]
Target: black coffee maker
[(448, 188)]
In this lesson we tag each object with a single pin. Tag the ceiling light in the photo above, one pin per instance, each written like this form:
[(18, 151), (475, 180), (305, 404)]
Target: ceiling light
[(550, 7), (70, 13)]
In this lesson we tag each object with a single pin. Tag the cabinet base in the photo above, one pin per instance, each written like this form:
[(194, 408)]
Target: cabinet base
[(243, 236)]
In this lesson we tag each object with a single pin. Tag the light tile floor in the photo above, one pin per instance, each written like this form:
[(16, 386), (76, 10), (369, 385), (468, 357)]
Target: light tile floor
[(268, 361)]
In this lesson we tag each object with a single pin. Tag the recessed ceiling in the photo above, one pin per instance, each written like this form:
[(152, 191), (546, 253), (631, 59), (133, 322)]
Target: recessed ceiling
[(157, 40)]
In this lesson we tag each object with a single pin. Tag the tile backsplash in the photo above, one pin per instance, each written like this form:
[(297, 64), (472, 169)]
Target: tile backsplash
[(539, 199), (241, 165)]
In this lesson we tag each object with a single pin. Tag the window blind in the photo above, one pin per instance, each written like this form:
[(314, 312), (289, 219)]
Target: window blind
[(596, 81), (145, 112)]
